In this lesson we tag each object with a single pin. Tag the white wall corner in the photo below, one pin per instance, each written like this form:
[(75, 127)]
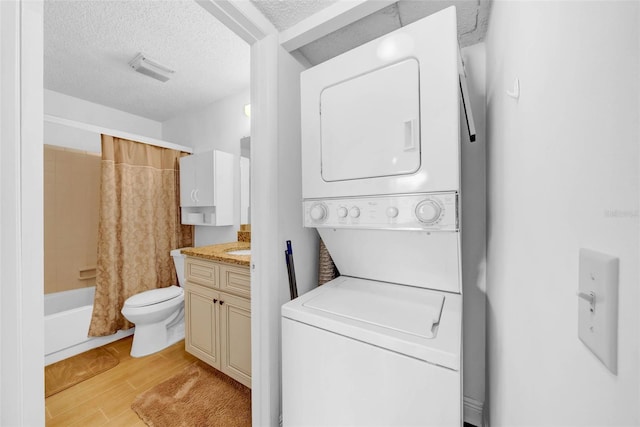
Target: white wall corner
[(337, 15), (241, 17), (473, 412), (265, 250)]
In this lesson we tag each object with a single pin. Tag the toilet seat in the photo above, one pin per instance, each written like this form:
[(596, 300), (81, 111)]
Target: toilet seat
[(153, 296)]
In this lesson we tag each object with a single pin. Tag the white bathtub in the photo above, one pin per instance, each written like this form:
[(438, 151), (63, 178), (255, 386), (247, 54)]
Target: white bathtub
[(67, 316)]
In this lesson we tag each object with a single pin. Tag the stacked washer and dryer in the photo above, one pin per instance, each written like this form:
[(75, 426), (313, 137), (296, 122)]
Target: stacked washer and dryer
[(381, 344)]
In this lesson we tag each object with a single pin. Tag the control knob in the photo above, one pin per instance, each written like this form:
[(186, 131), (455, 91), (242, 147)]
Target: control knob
[(354, 212), (428, 211), (342, 212), (318, 212), (392, 212)]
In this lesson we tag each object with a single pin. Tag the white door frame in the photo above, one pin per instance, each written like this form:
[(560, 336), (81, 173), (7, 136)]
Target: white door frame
[(21, 214)]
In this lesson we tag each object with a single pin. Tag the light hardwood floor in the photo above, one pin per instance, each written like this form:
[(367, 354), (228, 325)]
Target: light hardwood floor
[(105, 400)]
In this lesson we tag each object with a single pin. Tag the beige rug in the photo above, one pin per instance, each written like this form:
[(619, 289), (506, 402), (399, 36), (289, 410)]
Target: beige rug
[(69, 372), (197, 396)]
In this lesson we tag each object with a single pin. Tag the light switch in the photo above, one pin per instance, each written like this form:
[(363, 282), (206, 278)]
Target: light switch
[(598, 306)]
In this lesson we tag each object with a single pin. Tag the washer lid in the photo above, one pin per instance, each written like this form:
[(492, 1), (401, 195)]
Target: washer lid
[(420, 323), (401, 308), (154, 296)]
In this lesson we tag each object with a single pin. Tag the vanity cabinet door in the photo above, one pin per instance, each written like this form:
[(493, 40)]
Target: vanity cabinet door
[(201, 323), (235, 336)]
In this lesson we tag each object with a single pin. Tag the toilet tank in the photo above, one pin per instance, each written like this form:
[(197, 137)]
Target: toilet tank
[(178, 262)]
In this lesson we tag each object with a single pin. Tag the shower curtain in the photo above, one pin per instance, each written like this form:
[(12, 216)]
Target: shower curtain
[(139, 223)]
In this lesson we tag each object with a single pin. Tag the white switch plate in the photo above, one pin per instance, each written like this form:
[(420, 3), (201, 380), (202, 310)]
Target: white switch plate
[(598, 329)]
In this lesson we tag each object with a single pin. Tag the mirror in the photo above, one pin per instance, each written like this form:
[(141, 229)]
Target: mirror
[(245, 180)]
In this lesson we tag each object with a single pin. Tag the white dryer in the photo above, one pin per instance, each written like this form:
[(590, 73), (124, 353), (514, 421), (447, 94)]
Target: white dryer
[(384, 118)]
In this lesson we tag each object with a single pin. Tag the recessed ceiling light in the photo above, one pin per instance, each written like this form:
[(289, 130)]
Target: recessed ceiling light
[(151, 68)]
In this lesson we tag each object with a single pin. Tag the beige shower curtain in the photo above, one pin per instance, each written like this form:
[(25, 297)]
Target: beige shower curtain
[(139, 223)]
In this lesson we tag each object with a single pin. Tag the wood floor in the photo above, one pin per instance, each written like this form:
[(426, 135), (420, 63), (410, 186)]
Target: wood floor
[(105, 400)]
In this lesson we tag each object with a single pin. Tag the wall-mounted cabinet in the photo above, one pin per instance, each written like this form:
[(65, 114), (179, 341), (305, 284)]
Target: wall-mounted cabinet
[(207, 188)]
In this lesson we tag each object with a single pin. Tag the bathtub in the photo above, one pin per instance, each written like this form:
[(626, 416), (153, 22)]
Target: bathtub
[(67, 316)]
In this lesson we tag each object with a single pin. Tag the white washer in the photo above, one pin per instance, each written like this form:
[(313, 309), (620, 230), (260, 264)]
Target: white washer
[(366, 353)]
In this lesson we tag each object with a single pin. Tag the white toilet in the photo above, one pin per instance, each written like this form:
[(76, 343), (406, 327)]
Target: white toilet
[(158, 314)]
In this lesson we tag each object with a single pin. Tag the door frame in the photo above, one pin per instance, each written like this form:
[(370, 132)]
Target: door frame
[(21, 214)]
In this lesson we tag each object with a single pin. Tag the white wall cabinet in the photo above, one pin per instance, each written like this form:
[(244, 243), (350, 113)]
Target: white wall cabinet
[(218, 316), (207, 188)]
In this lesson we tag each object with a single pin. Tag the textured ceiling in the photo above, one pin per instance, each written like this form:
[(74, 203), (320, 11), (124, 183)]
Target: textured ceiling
[(88, 44), (286, 13), (473, 17)]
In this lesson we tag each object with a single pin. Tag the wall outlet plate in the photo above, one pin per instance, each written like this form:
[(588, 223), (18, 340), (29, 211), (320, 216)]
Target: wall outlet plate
[(598, 306)]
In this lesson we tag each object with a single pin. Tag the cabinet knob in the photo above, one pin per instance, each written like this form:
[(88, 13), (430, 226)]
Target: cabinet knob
[(215, 300), (221, 302)]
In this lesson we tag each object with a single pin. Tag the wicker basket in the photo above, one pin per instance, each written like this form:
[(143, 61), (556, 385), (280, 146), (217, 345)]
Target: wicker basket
[(327, 270)]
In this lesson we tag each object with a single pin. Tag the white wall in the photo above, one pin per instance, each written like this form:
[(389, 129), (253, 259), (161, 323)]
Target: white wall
[(474, 237), (69, 107), (561, 159), (219, 126), (265, 251)]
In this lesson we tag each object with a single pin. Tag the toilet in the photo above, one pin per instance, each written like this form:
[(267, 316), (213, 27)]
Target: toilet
[(158, 314)]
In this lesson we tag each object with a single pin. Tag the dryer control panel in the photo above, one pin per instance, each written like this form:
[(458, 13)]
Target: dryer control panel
[(424, 211)]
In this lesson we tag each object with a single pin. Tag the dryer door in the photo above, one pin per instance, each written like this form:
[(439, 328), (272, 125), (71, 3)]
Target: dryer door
[(383, 118), (370, 124)]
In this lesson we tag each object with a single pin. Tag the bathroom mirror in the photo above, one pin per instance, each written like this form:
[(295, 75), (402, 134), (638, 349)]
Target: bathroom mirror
[(245, 180)]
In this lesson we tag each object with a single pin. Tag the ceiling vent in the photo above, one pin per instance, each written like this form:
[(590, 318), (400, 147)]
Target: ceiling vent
[(151, 68)]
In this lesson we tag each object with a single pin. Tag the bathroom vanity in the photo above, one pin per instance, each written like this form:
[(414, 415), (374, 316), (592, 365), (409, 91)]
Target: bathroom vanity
[(218, 308)]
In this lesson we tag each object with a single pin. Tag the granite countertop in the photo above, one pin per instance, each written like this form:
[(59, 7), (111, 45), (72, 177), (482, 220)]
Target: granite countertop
[(220, 252)]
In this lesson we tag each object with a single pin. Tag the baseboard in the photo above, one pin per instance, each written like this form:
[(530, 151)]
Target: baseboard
[(85, 346), (473, 412)]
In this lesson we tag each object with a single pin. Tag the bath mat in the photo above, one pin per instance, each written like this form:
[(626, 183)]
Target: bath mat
[(197, 396), (69, 372)]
